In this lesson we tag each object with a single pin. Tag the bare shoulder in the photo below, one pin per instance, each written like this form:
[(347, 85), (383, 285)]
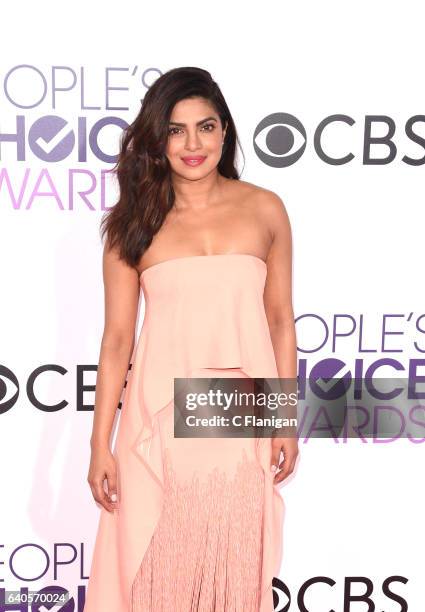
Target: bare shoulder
[(272, 208), (268, 206), (241, 191)]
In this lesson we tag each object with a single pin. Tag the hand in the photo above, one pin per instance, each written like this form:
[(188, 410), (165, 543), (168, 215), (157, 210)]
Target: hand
[(289, 448), (103, 465)]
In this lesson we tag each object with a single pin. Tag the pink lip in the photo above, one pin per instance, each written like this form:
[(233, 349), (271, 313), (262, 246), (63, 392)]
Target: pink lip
[(193, 160)]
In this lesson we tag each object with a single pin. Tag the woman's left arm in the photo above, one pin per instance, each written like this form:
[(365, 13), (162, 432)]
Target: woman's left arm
[(280, 317)]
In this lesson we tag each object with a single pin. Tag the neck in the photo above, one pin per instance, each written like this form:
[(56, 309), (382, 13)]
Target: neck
[(197, 194)]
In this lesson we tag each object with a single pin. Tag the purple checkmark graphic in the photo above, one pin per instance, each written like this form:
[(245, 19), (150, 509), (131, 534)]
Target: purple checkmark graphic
[(51, 139)]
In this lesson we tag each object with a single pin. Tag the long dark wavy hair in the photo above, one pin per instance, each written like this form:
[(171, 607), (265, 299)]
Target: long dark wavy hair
[(143, 171)]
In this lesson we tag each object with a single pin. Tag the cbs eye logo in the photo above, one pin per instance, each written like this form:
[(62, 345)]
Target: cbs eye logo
[(9, 389), (279, 140)]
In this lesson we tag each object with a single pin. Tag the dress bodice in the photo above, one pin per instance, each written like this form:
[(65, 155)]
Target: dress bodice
[(208, 311), (203, 311), (205, 267)]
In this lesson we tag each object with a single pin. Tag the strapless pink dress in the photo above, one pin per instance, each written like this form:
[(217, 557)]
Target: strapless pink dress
[(199, 522)]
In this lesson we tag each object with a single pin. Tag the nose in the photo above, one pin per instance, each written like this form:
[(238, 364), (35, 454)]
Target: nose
[(192, 141)]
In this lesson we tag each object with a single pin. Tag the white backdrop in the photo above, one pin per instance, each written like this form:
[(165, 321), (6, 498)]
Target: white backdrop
[(353, 509)]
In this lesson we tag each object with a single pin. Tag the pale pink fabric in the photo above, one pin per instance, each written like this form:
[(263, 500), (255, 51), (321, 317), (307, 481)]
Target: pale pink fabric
[(207, 545), (202, 312)]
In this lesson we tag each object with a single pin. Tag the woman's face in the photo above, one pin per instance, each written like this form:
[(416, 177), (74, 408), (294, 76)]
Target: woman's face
[(195, 138)]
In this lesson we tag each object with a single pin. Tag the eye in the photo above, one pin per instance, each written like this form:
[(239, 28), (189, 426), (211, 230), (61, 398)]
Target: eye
[(207, 127)]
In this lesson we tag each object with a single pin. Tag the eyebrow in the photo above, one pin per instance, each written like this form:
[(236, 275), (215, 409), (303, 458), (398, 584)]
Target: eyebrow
[(197, 123)]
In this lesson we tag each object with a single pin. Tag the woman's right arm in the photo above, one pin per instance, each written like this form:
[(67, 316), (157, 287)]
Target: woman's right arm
[(122, 291)]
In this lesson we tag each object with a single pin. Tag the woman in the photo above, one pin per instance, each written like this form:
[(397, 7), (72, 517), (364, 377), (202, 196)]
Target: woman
[(188, 523)]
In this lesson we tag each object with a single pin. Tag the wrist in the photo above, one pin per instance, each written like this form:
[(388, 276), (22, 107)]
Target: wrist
[(99, 443)]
